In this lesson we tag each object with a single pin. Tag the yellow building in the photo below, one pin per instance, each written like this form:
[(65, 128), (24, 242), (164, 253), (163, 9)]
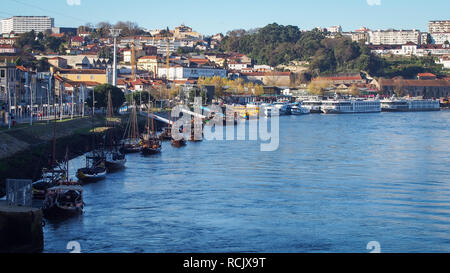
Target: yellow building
[(148, 63), (86, 75)]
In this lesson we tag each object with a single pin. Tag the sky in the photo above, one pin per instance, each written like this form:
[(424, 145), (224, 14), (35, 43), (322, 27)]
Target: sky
[(213, 16)]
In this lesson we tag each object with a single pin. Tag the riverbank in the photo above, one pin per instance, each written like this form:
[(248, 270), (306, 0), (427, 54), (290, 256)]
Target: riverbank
[(24, 151)]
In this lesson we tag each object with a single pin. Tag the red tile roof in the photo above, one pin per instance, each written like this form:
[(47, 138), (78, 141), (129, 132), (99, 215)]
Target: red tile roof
[(267, 74), (426, 75)]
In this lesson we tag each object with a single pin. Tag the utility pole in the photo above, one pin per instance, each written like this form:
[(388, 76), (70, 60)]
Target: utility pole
[(71, 114), (82, 96), (49, 88), (115, 33), (61, 107), (31, 100), (9, 102)]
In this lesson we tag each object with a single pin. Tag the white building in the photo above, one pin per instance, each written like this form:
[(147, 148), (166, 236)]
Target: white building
[(441, 26), (184, 73), (237, 66), (335, 29), (22, 24), (440, 38), (394, 37), (444, 60)]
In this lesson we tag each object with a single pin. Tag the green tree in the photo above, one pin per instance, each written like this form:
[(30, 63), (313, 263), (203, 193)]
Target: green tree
[(101, 96)]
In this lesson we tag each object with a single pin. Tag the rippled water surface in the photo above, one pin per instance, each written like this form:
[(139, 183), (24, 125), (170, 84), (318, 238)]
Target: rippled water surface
[(336, 183)]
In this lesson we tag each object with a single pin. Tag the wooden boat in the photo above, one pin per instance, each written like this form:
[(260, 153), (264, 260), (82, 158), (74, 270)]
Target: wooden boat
[(150, 143), (50, 178), (166, 135), (179, 143), (95, 169), (64, 200), (131, 143), (114, 159)]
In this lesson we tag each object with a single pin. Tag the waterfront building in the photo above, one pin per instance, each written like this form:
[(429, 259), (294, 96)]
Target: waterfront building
[(339, 79), (22, 24), (7, 82), (427, 89)]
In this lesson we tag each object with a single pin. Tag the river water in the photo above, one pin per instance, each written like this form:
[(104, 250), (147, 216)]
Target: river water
[(335, 184)]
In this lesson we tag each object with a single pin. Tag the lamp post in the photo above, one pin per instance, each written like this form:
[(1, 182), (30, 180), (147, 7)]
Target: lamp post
[(115, 33)]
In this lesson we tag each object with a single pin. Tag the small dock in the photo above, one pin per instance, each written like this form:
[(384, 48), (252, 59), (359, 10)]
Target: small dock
[(20, 228)]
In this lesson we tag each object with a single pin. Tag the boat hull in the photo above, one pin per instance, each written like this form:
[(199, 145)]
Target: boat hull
[(56, 212), (116, 165), (178, 143), (409, 110), (131, 149), (150, 151), (86, 176)]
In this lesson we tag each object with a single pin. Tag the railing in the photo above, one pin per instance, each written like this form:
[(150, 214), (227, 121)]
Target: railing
[(19, 192)]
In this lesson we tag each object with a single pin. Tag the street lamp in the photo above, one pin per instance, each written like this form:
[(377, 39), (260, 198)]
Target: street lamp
[(115, 33)]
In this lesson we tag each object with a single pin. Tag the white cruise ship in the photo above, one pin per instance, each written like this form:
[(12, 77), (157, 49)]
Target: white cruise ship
[(409, 105), (314, 106), (276, 109), (351, 106)]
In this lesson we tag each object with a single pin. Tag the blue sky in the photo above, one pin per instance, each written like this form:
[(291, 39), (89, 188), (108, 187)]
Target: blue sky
[(212, 16)]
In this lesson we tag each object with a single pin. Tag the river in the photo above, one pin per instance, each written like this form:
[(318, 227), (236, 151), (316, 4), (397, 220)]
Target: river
[(336, 183)]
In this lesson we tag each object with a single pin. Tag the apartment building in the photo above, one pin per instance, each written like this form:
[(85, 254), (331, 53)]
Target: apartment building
[(440, 26), (440, 38), (394, 37), (22, 24)]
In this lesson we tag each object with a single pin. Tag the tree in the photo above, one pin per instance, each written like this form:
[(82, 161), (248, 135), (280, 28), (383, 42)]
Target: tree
[(101, 96), (429, 39), (399, 87), (354, 91), (106, 53), (318, 87)]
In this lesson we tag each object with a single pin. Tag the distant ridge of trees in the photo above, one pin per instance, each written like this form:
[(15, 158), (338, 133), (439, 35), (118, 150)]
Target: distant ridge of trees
[(276, 44)]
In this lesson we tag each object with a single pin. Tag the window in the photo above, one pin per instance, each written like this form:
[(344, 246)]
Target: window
[(3, 73)]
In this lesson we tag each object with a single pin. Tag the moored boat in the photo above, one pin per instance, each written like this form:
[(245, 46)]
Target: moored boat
[(115, 161), (409, 105), (50, 178), (63, 201), (314, 106), (351, 106), (131, 143), (95, 169), (298, 110)]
